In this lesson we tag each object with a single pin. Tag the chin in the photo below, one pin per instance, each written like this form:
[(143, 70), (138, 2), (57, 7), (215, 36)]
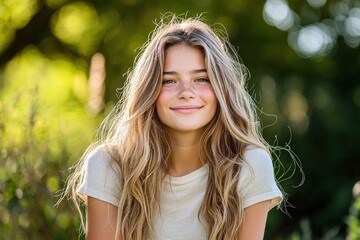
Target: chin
[(188, 129)]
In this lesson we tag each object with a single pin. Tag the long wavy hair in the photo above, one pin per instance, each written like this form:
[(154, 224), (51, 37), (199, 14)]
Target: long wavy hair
[(140, 145)]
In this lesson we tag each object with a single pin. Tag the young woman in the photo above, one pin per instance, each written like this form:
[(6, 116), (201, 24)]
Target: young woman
[(181, 155)]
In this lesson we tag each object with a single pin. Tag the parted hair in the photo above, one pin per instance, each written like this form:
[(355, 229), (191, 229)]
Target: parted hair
[(140, 145)]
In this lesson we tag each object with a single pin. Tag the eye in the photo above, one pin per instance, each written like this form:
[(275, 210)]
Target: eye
[(202, 80), (168, 81)]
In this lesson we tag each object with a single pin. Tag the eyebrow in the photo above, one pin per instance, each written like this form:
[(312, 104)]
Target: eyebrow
[(192, 71)]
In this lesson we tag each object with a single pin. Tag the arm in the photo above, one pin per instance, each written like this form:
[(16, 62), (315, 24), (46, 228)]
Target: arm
[(101, 220), (253, 226)]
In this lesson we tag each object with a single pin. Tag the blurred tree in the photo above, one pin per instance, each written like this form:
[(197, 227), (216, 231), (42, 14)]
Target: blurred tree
[(304, 73), (326, 34)]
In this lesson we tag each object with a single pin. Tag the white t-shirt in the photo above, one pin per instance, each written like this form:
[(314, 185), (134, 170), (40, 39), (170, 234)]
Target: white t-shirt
[(181, 197)]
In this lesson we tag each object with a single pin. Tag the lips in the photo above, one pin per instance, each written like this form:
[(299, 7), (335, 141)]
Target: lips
[(186, 109)]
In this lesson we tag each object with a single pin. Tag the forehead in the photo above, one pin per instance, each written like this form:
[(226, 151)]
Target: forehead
[(183, 56)]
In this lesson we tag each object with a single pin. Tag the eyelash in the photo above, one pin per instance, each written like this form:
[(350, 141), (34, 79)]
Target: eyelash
[(168, 81), (202, 79)]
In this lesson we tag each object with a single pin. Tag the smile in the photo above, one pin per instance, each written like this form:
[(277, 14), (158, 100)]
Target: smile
[(186, 109)]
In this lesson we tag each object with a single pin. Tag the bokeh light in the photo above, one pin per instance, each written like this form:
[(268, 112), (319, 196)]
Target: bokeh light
[(296, 109), (352, 24), (352, 28), (14, 15), (54, 92), (316, 3), (311, 34), (77, 24), (277, 13), (314, 40)]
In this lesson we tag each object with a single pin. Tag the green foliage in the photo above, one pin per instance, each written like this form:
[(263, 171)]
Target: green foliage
[(353, 221), (45, 121), (44, 129), (14, 14)]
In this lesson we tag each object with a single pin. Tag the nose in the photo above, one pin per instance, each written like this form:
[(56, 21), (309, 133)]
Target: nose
[(186, 90)]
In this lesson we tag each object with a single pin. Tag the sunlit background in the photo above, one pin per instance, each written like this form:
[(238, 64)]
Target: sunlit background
[(63, 62)]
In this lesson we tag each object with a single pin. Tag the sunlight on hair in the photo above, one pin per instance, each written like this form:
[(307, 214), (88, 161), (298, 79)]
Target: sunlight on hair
[(277, 13)]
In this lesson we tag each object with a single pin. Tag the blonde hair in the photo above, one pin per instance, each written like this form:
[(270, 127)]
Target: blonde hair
[(140, 145)]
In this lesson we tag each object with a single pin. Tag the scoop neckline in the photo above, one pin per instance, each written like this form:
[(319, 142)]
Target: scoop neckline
[(188, 177)]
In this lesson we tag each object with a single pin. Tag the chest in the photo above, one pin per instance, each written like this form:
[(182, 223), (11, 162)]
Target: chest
[(179, 207)]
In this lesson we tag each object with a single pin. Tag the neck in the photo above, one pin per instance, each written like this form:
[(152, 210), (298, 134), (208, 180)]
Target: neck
[(185, 155)]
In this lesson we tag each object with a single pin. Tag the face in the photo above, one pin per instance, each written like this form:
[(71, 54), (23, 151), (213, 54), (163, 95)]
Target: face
[(187, 101)]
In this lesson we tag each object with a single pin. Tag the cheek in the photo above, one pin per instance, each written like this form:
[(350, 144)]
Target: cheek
[(161, 102), (212, 102), (210, 97)]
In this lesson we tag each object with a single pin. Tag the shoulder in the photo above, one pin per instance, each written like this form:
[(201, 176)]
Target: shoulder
[(102, 178), (257, 180), (98, 157), (257, 163), (100, 163), (257, 158)]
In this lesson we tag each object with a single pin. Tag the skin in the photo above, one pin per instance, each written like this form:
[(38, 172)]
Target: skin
[(101, 220), (186, 103), (253, 227)]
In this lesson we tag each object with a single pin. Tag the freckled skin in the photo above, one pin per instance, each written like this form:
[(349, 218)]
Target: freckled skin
[(187, 101)]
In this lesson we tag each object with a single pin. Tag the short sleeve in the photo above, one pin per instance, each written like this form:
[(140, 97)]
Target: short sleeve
[(257, 181), (101, 178)]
